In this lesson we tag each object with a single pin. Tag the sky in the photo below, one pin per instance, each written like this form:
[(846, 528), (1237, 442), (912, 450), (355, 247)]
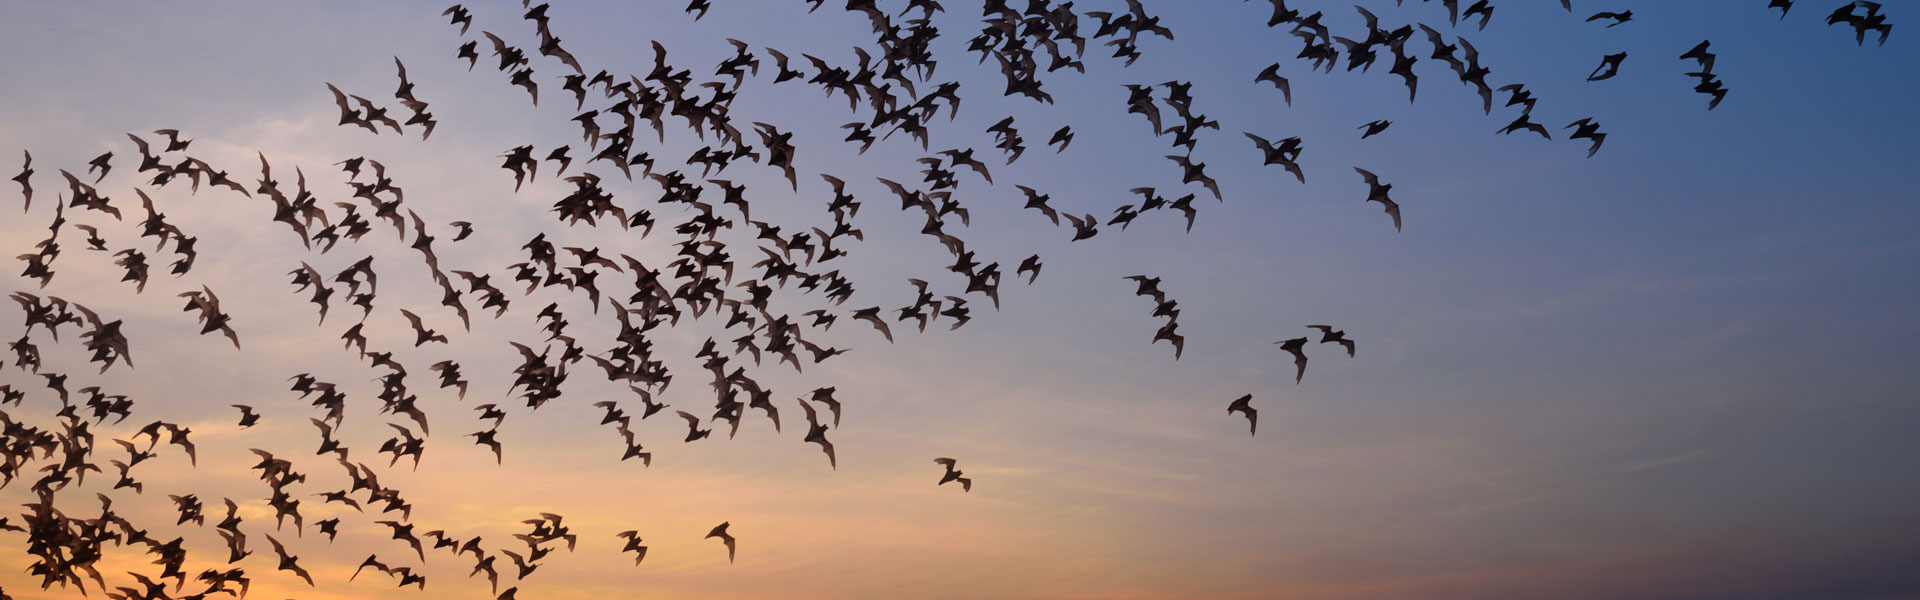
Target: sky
[(1679, 369)]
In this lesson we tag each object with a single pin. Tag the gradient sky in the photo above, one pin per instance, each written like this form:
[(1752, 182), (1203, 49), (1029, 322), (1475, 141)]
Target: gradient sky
[(1681, 369)]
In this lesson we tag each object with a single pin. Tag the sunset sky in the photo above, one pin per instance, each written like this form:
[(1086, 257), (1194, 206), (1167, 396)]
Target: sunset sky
[(1680, 369)]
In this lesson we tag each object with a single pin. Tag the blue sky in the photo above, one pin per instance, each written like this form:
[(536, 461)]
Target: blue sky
[(1678, 369)]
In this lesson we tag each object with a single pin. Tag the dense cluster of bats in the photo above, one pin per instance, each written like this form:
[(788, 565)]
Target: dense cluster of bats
[(890, 87)]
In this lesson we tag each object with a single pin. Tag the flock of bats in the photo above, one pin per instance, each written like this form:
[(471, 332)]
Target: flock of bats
[(892, 90)]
